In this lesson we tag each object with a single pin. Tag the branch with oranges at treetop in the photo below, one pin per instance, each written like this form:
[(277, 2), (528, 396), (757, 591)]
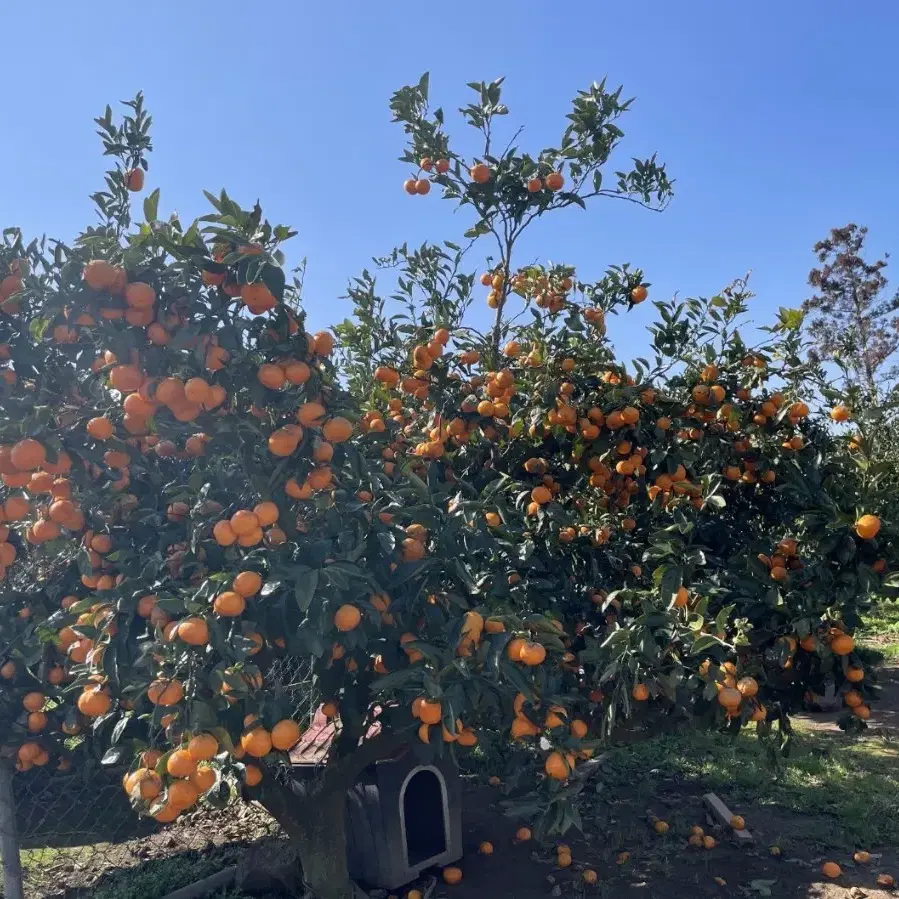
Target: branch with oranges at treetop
[(512, 539)]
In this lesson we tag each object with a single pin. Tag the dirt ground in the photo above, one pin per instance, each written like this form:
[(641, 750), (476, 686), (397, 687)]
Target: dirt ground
[(667, 867), (657, 867)]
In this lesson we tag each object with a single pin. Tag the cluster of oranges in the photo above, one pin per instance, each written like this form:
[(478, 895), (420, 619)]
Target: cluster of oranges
[(782, 561), (548, 289), (190, 770), (832, 870), (430, 713), (419, 185), (26, 465), (246, 526)]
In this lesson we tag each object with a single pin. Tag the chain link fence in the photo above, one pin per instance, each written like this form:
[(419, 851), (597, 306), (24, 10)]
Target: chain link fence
[(77, 834)]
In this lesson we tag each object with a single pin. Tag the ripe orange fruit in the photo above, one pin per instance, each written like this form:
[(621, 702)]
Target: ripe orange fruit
[(310, 414), (639, 294), (534, 185), (556, 766), (257, 297), (33, 701), (224, 534), (840, 413), (523, 834), (409, 186), (229, 604), (709, 842), (94, 702), (266, 513), (730, 698), (252, 775), (282, 442), (286, 734), (140, 296), (244, 522), (256, 742), (554, 180), (737, 823), (182, 794), (148, 783), (486, 848), (337, 430), (203, 778), (887, 881), (167, 814), (867, 527), (16, 508), (27, 454), (347, 618), (661, 827), (297, 372), (862, 857), (479, 173), (640, 692), (203, 747), (193, 631), (589, 876), (324, 343), (272, 376), (100, 428), (134, 179), (854, 675), (99, 274), (196, 390), (37, 721), (429, 711), (452, 875), (247, 583), (532, 653), (831, 869), (842, 644), (181, 763), (165, 692)]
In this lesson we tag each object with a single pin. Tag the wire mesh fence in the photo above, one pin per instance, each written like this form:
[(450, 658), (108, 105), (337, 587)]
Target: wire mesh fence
[(78, 835)]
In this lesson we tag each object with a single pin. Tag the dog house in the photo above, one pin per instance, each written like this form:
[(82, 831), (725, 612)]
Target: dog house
[(403, 816)]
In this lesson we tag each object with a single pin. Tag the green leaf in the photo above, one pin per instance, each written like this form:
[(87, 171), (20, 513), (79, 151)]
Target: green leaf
[(151, 206), (706, 641), (395, 679), (304, 587)]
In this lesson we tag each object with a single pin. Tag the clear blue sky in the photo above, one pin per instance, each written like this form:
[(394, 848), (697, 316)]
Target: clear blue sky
[(778, 120)]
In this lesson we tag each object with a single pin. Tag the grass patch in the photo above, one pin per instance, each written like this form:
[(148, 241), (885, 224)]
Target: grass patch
[(157, 877), (880, 631), (842, 792)]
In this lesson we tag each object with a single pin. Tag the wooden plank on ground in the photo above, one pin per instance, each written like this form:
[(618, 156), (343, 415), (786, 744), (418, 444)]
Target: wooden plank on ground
[(721, 814)]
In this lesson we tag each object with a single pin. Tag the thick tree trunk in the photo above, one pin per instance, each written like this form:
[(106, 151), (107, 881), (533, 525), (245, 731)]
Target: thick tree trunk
[(322, 849), (313, 815), (315, 824)]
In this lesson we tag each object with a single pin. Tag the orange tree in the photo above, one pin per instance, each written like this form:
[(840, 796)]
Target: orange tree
[(512, 538)]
